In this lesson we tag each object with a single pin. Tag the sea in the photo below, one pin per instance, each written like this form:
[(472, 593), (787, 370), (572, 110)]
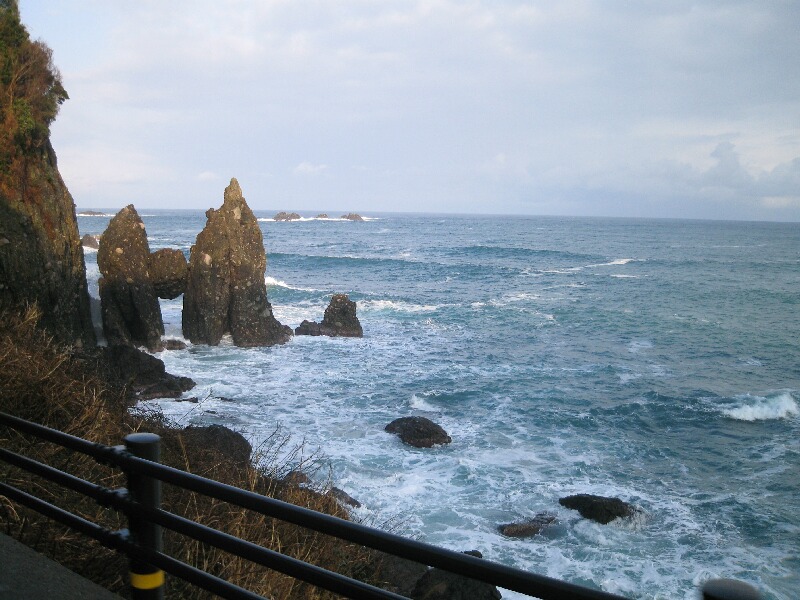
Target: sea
[(652, 360)]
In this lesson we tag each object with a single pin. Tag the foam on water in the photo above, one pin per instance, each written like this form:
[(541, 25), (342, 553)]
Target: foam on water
[(630, 390), (763, 408)]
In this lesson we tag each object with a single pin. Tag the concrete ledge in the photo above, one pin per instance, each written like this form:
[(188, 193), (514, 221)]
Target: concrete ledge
[(27, 575)]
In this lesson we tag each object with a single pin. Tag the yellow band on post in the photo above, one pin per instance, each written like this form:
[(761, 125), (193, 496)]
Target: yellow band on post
[(147, 581)]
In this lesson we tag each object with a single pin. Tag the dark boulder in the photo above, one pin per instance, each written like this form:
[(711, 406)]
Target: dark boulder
[(395, 574), (90, 241), (225, 287), (340, 320), (528, 527), (343, 497), (599, 508), (437, 584), (171, 344), (286, 216), (231, 444), (143, 375), (168, 272), (130, 308), (418, 432), (353, 217)]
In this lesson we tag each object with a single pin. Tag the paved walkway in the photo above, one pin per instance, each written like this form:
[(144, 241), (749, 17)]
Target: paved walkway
[(27, 575)]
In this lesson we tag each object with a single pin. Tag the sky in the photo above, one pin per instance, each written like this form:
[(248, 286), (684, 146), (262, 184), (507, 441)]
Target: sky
[(595, 108)]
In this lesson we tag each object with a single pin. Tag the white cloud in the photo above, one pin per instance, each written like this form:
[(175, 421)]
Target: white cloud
[(307, 168), (462, 101)]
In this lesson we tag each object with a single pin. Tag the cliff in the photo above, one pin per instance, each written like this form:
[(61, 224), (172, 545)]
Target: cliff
[(41, 259)]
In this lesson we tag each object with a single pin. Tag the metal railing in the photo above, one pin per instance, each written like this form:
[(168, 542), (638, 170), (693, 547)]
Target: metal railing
[(142, 542)]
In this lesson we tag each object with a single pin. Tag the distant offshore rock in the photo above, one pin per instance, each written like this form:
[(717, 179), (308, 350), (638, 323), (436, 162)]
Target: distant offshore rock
[(418, 432), (92, 213), (353, 217), (340, 320), (286, 216), (322, 216), (91, 241)]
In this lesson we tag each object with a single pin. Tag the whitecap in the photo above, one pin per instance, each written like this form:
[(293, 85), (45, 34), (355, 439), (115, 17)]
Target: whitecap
[(419, 403), (272, 281), (398, 306), (763, 408), (87, 250)]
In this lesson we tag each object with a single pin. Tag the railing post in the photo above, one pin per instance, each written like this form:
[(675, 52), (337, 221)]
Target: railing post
[(147, 581), (729, 589)]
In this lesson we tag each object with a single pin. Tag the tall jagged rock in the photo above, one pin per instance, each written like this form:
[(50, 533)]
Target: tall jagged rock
[(225, 287), (129, 303)]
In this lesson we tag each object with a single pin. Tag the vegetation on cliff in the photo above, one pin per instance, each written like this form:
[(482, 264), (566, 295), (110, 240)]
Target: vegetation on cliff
[(41, 260), (46, 382)]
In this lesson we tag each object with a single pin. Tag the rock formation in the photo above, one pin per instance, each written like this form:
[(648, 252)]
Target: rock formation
[(225, 287), (340, 320), (218, 438), (285, 216), (322, 216), (168, 272), (418, 432), (599, 508), (528, 527), (130, 308), (438, 584), (91, 241), (353, 217)]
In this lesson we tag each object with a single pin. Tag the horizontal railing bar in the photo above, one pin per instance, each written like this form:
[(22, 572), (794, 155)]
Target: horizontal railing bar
[(97, 492), (97, 451), (116, 541), (543, 587), (472, 567), (334, 582)]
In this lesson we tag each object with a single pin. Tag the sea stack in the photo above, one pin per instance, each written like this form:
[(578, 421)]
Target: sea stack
[(340, 320), (128, 299), (225, 287)]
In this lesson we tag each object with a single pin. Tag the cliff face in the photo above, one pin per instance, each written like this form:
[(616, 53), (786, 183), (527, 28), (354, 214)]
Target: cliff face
[(41, 260)]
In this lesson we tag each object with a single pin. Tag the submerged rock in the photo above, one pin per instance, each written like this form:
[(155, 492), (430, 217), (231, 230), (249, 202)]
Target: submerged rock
[(340, 320), (129, 303), (599, 508), (529, 527), (225, 287), (418, 432)]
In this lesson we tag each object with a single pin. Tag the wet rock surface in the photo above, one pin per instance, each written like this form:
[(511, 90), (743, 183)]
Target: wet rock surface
[(527, 527), (599, 508), (418, 432), (225, 287), (90, 241)]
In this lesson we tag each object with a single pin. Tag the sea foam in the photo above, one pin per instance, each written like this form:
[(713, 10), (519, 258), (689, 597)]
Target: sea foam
[(760, 408)]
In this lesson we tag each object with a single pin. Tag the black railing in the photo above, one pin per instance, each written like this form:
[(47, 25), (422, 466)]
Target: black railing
[(142, 542)]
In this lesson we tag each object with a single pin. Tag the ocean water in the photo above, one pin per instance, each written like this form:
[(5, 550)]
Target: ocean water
[(653, 360)]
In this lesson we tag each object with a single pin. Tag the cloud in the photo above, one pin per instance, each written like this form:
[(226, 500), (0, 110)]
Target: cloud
[(508, 101), (307, 168), (207, 176)]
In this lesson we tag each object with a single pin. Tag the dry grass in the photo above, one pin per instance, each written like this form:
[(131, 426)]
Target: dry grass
[(43, 382)]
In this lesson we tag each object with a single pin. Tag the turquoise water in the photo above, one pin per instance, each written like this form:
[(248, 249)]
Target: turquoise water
[(652, 360)]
